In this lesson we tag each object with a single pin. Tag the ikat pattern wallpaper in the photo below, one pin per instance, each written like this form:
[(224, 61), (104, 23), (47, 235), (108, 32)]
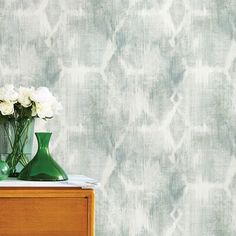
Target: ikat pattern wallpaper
[(149, 95)]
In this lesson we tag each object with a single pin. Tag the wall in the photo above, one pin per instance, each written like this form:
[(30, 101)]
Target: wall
[(148, 89)]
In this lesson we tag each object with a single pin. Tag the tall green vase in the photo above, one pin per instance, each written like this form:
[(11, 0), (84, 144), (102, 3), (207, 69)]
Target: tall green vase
[(42, 167)]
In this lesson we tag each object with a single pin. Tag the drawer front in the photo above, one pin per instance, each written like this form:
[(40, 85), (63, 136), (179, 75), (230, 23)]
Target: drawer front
[(46, 216)]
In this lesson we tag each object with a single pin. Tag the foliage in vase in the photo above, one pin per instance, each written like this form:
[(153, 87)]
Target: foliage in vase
[(18, 109)]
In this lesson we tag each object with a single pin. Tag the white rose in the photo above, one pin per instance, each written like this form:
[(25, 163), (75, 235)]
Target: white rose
[(43, 110), (42, 95), (8, 93), (45, 104), (6, 108), (24, 96)]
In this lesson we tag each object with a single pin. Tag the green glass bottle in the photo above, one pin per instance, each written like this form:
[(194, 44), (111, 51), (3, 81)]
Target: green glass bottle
[(42, 167), (4, 170)]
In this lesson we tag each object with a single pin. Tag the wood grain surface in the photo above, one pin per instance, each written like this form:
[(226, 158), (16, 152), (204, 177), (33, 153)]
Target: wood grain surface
[(46, 212)]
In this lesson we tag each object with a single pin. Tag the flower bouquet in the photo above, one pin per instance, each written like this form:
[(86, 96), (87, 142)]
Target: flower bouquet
[(18, 109)]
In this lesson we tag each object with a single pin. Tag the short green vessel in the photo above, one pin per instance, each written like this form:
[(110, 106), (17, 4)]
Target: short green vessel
[(42, 167), (4, 170)]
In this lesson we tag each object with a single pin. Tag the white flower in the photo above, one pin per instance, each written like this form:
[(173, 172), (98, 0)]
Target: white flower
[(41, 95), (43, 110), (45, 104), (6, 108), (25, 95), (8, 93)]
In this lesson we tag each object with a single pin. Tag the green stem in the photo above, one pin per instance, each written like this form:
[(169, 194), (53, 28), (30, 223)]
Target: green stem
[(21, 129), (26, 137), (8, 136)]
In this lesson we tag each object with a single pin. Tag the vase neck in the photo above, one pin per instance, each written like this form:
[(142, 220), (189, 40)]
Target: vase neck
[(43, 139)]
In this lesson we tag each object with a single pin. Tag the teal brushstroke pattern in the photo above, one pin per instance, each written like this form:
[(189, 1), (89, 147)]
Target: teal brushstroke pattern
[(148, 90)]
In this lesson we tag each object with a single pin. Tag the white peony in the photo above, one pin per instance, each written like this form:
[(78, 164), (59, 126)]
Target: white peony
[(8, 93), (43, 110), (7, 108), (43, 104), (46, 105), (24, 97), (42, 95)]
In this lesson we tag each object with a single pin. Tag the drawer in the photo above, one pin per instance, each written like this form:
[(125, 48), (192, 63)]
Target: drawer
[(46, 212)]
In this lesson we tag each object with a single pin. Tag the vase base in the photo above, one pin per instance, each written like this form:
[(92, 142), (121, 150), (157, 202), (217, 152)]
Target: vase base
[(44, 177)]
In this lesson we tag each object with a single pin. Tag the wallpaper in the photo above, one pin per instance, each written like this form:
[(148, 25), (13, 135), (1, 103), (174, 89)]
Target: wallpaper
[(148, 90)]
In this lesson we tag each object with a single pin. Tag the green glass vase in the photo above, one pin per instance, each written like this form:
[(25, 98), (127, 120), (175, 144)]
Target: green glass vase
[(4, 170), (42, 167)]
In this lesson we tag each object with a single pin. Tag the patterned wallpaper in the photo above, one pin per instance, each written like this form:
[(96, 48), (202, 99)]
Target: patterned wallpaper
[(148, 89)]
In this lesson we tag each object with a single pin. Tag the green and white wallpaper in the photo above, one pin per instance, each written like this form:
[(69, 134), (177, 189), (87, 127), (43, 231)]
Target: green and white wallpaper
[(149, 95)]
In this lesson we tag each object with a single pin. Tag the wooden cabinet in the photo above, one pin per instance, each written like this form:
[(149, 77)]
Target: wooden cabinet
[(46, 211)]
